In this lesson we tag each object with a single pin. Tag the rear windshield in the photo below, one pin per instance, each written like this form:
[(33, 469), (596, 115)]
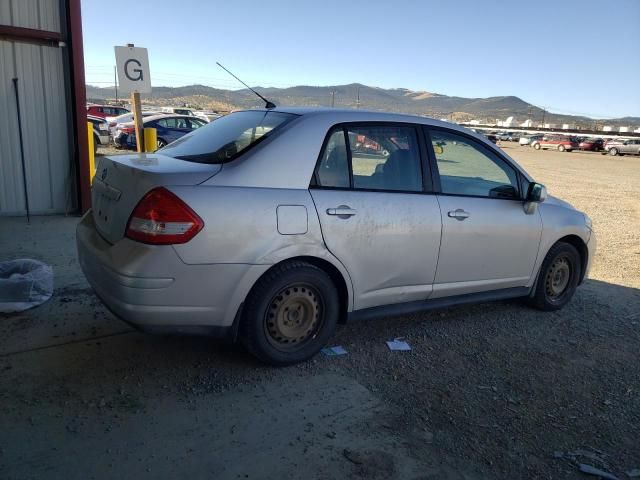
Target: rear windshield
[(227, 137)]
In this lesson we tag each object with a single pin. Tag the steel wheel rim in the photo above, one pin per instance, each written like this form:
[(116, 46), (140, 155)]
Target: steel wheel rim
[(558, 277), (294, 316)]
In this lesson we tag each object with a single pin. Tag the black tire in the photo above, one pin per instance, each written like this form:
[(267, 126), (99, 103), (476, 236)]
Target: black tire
[(536, 146), (551, 292), (561, 148), (268, 328), (613, 151)]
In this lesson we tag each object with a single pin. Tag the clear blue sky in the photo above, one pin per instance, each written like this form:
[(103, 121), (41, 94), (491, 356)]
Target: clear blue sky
[(571, 56)]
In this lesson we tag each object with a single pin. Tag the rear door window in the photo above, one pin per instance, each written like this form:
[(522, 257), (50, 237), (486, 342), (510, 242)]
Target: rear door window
[(385, 158), (371, 157)]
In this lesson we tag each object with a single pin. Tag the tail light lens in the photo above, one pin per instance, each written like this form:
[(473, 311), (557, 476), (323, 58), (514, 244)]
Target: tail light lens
[(161, 218)]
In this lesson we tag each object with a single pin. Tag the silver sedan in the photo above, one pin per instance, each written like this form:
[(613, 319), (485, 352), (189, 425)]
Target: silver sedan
[(272, 226)]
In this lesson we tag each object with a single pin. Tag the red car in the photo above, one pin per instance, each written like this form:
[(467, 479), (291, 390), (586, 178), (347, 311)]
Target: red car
[(104, 111), (592, 144), (556, 142)]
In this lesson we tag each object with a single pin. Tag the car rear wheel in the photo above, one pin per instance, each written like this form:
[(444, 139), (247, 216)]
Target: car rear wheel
[(613, 151), (561, 148), (558, 279), (536, 146), (290, 314)]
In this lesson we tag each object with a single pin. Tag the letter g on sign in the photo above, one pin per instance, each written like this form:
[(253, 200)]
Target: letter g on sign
[(132, 73)]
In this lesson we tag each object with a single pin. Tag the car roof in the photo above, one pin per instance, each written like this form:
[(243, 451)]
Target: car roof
[(165, 115), (347, 114)]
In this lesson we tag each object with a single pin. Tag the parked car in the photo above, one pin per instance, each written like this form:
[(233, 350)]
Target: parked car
[(207, 115), (100, 132), (168, 127), (178, 111), (624, 147), (507, 136), (488, 135), (592, 144), (104, 111), (266, 226), (556, 142), (527, 139), (115, 123)]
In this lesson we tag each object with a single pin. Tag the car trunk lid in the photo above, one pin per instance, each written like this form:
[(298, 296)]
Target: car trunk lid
[(122, 180)]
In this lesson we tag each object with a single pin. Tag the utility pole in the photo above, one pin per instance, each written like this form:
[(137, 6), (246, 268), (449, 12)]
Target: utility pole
[(544, 111), (333, 97), (358, 98), (115, 81)]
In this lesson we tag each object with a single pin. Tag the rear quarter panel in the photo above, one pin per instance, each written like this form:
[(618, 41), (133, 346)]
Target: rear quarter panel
[(241, 226)]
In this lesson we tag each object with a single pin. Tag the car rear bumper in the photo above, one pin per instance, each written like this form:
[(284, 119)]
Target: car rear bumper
[(151, 288)]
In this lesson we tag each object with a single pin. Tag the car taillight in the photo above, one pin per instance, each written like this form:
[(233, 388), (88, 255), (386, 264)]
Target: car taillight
[(128, 130), (161, 218)]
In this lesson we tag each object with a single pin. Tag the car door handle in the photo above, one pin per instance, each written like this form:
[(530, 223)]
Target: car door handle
[(343, 211), (458, 214)]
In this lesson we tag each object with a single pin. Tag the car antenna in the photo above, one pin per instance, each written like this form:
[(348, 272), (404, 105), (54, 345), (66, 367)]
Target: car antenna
[(267, 103)]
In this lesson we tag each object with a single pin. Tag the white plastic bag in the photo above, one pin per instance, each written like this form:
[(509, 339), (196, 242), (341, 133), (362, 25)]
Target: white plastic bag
[(24, 283)]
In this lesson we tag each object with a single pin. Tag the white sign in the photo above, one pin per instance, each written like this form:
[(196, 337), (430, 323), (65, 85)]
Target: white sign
[(133, 69)]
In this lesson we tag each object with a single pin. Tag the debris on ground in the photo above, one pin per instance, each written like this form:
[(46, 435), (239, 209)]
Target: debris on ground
[(398, 344), (24, 283), (353, 457), (588, 469), (333, 351)]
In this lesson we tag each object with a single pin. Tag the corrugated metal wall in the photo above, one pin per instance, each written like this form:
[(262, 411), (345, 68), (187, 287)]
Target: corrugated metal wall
[(36, 14), (45, 117)]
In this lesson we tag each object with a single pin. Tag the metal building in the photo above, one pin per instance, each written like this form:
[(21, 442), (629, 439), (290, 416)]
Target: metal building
[(41, 47)]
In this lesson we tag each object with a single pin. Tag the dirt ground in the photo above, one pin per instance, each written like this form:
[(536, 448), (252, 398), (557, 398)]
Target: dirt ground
[(487, 391)]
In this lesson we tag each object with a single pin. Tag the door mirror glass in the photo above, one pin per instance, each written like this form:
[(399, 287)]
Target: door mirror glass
[(537, 192)]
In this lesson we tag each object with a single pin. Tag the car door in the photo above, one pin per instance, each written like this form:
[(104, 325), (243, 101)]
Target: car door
[(630, 146), (489, 242), (172, 129), (376, 213)]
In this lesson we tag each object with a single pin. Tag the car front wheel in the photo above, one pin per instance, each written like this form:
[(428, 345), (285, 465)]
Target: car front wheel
[(613, 151), (536, 146), (290, 314), (558, 279)]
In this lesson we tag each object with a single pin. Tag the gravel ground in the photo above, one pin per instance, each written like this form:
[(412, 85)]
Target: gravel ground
[(487, 391)]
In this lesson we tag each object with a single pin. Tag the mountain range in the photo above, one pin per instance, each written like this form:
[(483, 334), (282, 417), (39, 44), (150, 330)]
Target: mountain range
[(356, 95)]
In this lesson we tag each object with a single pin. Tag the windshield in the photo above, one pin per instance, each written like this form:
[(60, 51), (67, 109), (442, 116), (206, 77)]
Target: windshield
[(227, 137)]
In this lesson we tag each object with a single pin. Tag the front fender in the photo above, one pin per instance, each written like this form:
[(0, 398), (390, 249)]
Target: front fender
[(559, 220)]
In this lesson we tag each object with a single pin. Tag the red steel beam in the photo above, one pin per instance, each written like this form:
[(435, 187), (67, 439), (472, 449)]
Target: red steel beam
[(30, 35), (79, 103)]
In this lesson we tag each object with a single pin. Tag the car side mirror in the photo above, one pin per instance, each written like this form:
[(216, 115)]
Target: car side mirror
[(438, 149), (537, 193)]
